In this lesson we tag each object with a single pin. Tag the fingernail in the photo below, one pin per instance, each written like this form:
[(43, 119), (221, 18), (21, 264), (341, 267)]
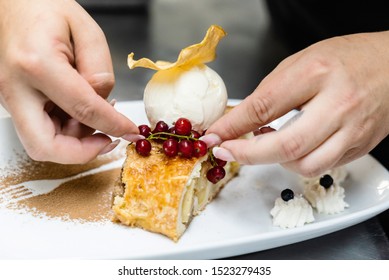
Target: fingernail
[(211, 139), (222, 154), (110, 147), (132, 137), (263, 130), (112, 102)]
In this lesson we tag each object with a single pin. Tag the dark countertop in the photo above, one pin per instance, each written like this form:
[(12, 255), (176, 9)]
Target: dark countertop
[(159, 30)]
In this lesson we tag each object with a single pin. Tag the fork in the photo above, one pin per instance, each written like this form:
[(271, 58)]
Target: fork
[(15, 193)]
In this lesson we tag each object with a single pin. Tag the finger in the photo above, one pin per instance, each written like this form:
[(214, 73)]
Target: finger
[(286, 88), (38, 135), (80, 101), (83, 150), (341, 148), (324, 157), (75, 129), (289, 143), (92, 56), (65, 125)]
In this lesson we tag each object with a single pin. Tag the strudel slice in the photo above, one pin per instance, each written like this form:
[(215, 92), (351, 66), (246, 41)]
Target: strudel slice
[(162, 194)]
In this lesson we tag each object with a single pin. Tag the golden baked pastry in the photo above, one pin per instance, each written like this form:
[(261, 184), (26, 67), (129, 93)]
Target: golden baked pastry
[(162, 194)]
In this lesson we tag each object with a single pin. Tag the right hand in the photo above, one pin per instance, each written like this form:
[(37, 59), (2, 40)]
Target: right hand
[(55, 76), (340, 85)]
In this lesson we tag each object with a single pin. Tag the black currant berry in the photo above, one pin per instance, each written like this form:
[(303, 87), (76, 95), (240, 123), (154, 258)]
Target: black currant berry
[(287, 194), (326, 181)]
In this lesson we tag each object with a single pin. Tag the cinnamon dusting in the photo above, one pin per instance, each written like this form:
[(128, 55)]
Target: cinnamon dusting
[(85, 199)]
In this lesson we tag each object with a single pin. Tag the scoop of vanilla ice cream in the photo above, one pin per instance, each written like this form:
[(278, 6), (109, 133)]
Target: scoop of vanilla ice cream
[(198, 94)]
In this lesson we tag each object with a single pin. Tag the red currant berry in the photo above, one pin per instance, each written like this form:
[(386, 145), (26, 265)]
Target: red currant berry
[(199, 148), (215, 174), (185, 147), (170, 147), (172, 130), (195, 134), (144, 130), (161, 126), (183, 126), (220, 162), (143, 147)]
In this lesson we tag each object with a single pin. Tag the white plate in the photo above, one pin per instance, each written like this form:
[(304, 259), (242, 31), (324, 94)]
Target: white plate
[(236, 222)]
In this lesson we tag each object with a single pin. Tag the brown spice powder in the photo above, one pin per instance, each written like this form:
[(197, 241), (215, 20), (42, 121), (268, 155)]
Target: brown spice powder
[(28, 170), (86, 199)]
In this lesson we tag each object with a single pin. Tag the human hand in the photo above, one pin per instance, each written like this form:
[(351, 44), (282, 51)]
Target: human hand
[(340, 86), (55, 75)]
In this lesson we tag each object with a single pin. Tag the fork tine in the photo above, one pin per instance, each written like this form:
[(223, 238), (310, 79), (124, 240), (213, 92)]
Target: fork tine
[(10, 189), (9, 194), (21, 193)]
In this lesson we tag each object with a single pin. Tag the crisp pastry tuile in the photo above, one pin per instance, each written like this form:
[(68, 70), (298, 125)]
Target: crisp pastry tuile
[(196, 54)]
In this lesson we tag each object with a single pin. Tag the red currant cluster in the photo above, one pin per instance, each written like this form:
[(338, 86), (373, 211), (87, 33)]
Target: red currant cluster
[(182, 140)]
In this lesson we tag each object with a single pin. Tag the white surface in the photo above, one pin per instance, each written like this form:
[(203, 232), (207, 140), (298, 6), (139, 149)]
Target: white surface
[(3, 112), (236, 222)]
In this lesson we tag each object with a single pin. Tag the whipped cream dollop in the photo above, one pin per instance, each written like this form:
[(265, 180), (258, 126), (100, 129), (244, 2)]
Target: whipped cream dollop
[(198, 94), (292, 213), (326, 200)]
